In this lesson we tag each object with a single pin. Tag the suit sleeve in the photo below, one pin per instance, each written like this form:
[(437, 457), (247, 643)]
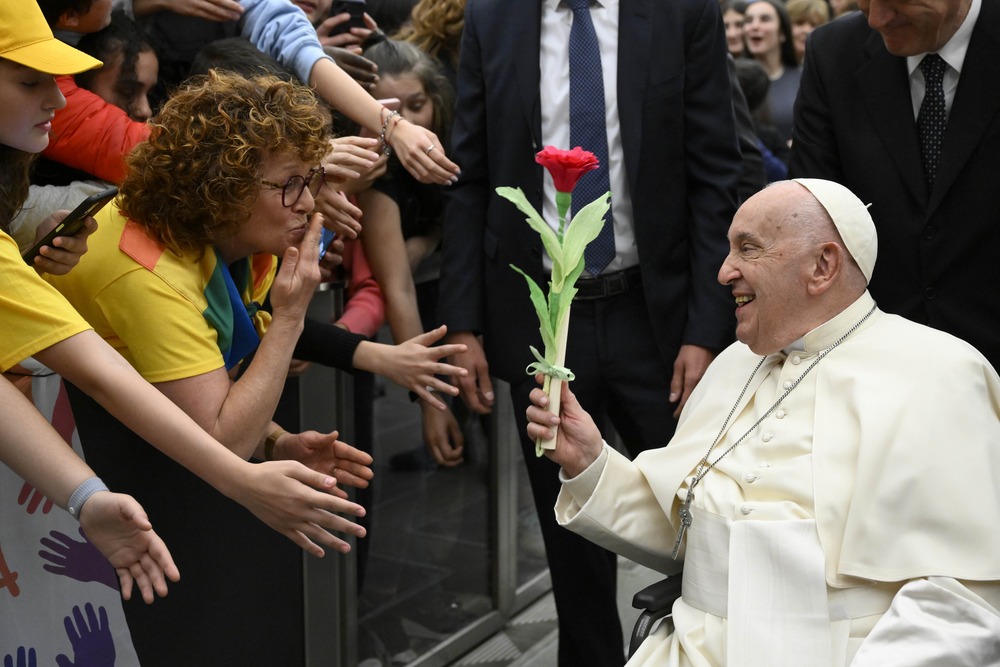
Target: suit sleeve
[(460, 303), (714, 165), (752, 174), (814, 147)]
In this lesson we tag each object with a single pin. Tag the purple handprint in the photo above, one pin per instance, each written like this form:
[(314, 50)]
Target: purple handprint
[(23, 659), (33, 499), (77, 560), (93, 645)]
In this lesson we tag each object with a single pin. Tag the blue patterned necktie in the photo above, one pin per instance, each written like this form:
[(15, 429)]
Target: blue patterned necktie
[(931, 119), (588, 127)]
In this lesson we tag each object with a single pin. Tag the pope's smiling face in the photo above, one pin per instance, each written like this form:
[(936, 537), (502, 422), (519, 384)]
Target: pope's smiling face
[(768, 268)]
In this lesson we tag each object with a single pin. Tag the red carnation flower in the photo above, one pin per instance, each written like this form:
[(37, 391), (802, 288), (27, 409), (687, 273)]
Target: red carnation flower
[(565, 166)]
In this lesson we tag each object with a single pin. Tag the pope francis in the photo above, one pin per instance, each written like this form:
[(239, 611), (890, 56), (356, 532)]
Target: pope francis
[(832, 491)]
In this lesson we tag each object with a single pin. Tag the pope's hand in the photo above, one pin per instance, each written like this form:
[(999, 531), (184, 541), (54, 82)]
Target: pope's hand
[(578, 441)]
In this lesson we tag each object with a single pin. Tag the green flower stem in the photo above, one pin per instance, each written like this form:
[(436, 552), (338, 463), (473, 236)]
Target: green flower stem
[(553, 386), (563, 202)]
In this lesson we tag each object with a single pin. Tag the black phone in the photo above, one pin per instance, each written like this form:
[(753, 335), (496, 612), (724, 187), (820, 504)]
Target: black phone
[(73, 222), (356, 8)]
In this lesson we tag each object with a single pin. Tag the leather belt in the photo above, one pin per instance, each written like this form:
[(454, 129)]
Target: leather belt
[(607, 284)]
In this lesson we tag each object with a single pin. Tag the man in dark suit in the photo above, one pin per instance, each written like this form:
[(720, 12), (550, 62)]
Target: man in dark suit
[(644, 330), (856, 122)]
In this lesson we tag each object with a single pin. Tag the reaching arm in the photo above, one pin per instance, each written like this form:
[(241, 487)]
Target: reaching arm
[(116, 524), (278, 493), (282, 30), (386, 253)]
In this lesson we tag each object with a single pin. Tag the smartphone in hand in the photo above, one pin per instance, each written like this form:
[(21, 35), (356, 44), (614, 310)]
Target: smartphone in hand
[(324, 242), (356, 8), (73, 222)]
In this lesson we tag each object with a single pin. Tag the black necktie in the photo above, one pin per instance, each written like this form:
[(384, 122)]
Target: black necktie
[(588, 127), (932, 118)]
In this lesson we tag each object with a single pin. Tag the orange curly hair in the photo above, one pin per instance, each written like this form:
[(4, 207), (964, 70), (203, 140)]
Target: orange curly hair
[(197, 177), (436, 27)]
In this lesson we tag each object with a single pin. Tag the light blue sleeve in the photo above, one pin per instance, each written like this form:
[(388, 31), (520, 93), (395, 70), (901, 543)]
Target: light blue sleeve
[(281, 30)]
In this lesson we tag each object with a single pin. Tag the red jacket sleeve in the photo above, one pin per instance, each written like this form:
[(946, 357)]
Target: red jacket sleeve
[(92, 135), (364, 310)]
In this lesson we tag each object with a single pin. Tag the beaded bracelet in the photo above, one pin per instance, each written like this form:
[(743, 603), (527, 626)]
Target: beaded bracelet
[(385, 147)]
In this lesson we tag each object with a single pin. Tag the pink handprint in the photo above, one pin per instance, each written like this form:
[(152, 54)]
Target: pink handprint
[(8, 579), (33, 498)]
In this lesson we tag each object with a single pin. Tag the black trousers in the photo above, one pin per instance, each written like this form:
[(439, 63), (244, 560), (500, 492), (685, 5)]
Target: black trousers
[(239, 600), (621, 376)]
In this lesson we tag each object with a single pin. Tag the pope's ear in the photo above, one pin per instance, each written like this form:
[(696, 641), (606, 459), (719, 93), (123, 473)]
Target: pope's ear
[(830, 260)]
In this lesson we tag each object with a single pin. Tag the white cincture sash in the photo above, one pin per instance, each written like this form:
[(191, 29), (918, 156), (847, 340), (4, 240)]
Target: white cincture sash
[(767, 579)]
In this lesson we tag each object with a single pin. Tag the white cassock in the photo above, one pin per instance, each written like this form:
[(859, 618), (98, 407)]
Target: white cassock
[(858, 524)]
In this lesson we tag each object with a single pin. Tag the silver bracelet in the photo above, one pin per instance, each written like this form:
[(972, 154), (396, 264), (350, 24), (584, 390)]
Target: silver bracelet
[(83, 493)]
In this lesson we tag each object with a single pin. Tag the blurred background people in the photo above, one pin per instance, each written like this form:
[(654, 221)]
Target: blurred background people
[(733, 16), (769, 38), (806, 16)]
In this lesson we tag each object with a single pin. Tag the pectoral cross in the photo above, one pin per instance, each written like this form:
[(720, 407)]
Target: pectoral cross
[(685, 516)]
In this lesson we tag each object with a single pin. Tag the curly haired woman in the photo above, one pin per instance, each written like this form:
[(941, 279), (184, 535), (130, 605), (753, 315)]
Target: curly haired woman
[(174, 281)]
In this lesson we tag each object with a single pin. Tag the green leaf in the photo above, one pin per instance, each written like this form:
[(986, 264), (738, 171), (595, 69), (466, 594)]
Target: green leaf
[(549, 238), (569, 289), (583, 229), (561, 302), (541, 309)]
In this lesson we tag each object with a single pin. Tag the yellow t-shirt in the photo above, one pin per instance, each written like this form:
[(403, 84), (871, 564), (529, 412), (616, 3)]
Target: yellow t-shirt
[(33, 316), (152, 306)]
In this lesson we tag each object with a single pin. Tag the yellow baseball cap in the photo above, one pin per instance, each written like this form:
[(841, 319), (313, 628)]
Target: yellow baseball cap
[(26, 39)]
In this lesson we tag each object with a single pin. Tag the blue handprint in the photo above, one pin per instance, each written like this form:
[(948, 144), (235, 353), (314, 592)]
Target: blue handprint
[(93, 645), (23, 659), (78, 560)]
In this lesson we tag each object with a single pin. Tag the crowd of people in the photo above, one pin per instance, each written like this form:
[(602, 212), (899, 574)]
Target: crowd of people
[(845, 511)]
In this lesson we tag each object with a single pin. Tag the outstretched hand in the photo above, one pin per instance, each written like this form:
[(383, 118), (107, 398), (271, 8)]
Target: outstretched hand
[(324, 453), (475, 384), (340, 216), (443, 436), (298, 503), (412, 143), (578, 441), (362, 70), (117, 525), (415, 364)]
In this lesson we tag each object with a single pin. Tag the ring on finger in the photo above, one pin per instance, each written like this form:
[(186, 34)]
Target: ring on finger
[(429, 149)]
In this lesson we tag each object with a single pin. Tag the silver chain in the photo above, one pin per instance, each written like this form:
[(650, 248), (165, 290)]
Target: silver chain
[(704, 466)]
